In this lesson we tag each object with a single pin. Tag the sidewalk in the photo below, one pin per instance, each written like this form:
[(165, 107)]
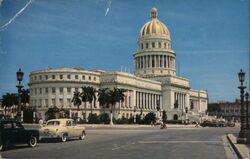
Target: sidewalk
[(242, 150), (130, 126)]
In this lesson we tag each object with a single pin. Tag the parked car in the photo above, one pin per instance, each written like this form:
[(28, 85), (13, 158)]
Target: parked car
[(209, 123), (12, 132), (62, 129)]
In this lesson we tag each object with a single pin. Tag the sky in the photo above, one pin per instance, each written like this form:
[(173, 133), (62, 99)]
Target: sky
[(210, 38)]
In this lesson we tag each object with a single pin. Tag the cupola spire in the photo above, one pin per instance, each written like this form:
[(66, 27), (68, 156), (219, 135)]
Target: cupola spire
[(153, 13)]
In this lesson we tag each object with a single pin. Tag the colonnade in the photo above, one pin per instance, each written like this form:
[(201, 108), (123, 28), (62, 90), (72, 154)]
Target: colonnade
[(181, 98), (147, 100), (154, 61)]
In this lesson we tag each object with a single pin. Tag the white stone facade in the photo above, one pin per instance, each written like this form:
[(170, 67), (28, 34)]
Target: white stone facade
[(154, 82)]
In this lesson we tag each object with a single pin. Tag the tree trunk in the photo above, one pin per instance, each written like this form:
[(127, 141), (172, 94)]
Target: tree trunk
[(111, 116)]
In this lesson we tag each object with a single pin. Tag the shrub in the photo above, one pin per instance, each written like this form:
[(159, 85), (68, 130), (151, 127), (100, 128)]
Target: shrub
[(174, 121), (104, 118), (93, 119)]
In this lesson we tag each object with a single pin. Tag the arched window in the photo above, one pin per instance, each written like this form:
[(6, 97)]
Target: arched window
[(165, 45), (153, 44)]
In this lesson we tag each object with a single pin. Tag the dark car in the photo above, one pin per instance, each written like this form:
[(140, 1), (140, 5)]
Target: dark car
[(13, 132), (209, 123)]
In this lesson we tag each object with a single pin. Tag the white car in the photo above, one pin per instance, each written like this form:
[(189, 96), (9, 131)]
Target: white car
[(62, 129)]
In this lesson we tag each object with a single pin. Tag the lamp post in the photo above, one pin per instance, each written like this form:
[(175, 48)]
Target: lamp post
[(158, 108), (186, 118), (19, 75), (242, 138), (134, 114)]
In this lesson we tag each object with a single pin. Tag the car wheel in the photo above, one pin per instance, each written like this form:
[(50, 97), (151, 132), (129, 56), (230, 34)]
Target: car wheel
[(82, 137), (64, 138), (32, 141)]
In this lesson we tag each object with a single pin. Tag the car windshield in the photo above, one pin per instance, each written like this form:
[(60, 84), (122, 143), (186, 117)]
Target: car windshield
[(51, 123)]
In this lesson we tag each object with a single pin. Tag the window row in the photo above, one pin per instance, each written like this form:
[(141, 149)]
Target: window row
[(180, 100), (159, 45), (53, 90), (61, 77), (153, 61)]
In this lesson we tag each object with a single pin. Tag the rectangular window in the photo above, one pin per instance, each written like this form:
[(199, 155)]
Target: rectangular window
[(40, 90), (90, 78), (153, 44), (68, 90), (61, 90), (46, 103), (53, 90), (35, 77), (83, 77), (46, 77), (153, 61), (40, 77), (94, 78), (53, 77), (46, 90), (76, 76), (68, 76), (61, 76)]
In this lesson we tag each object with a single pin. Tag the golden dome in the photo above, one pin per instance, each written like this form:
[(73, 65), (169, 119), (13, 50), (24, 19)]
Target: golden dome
[(154, 26)]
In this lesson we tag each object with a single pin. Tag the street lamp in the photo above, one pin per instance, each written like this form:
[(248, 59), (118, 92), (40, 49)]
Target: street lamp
[(19, 75), (242, 138), (134, 114), (247, 113), (158, 108), (186, 111)]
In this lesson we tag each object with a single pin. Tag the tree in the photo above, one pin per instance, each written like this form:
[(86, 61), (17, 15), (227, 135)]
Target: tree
[(9, 100), (77, 101), (51, 113), (103, 98), (84, 100), (25, 96), (114, 96), (90, 94), (150, 117)]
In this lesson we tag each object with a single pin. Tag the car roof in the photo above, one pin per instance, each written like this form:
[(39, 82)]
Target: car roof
[(8, 120), (62, 119)]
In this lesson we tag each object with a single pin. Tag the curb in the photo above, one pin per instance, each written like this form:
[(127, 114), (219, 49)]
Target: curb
[(239, 154)]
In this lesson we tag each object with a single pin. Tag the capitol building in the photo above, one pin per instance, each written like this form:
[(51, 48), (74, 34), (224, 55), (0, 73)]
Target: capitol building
[(154, 82)]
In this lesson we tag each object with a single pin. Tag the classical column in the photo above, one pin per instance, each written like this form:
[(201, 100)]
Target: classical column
[(168, 61)]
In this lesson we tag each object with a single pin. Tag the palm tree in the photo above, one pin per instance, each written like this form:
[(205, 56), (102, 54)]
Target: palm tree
[(90, 93), (77, 101), (114, 96), (103, 97), (84, 99), (9, 100)]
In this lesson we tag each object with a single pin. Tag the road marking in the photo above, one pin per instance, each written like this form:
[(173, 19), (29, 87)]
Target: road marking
[(176, 142), (118, 147)]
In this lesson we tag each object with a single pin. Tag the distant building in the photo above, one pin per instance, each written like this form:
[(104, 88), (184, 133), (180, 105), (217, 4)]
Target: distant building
[(227, 110), (153, 82)]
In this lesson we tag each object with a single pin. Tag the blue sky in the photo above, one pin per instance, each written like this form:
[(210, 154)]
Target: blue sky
[(210, 38)]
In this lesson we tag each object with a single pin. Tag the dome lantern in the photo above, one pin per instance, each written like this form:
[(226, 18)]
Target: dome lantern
[(153, 13)]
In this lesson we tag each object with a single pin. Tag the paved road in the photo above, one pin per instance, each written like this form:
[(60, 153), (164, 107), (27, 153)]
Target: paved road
[(143, 143)]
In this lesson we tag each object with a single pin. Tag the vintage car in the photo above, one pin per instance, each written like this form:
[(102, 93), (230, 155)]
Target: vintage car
[(62, 129), (12, 132)]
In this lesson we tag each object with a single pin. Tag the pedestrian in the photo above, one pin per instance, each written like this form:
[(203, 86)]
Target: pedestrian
[(40, 122), (196, 124)]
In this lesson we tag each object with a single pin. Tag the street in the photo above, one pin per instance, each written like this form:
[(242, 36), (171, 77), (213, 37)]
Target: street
[(124, 143)]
